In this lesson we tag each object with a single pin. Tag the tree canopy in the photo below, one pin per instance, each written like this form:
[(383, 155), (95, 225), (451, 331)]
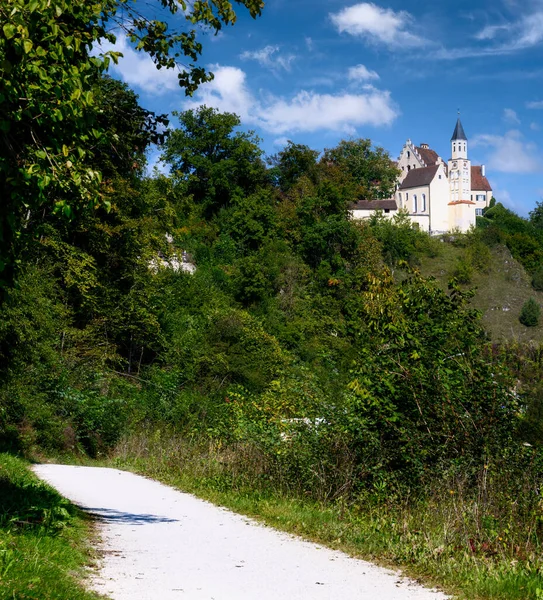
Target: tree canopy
[(49, 124)]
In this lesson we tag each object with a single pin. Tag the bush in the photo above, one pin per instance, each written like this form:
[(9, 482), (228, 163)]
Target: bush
[(537, 279), (530, 313), (463, 271)]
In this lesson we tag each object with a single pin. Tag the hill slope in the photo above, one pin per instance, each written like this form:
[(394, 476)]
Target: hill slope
[(499, 294)]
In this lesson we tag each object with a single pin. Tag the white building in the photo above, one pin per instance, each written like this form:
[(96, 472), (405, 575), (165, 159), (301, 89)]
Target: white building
[(439, 196)]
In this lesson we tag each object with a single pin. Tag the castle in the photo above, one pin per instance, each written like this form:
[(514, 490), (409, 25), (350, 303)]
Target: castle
[(439, 196)]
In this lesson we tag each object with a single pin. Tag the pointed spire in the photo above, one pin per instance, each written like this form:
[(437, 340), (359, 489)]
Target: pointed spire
[(459, 133)]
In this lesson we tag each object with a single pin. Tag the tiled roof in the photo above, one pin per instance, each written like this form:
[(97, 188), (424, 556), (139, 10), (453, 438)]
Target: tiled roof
[(374, 205), (429, 156), (478, 181), (459, 133), (417, 177)]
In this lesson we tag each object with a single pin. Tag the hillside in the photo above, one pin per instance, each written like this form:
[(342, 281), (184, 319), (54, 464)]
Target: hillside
[(499, 294)]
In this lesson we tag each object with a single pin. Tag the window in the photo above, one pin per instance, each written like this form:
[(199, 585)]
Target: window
[(408, 168), (400, 196), (480, 197), (408, 154), (423, 203), (415, 203), (387, 210), (478, 212)]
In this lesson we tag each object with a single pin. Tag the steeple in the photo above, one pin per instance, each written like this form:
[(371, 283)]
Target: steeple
[(459, 133), (459, 141)]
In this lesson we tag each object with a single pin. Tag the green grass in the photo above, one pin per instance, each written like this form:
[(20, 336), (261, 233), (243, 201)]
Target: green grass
[(440, 541), (43, 539), (499, 294)]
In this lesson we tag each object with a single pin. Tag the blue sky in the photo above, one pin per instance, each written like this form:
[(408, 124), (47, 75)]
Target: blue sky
[(318, 71)]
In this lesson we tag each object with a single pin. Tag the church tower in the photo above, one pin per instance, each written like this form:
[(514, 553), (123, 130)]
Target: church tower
[(459, 166), (459, 142)]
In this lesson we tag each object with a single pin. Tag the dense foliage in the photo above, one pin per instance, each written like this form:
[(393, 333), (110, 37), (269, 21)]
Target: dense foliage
[(297, 321), (51, 130)]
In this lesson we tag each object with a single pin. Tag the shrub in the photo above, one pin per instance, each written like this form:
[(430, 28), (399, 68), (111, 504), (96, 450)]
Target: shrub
[(479, 256), (537, 279), (463, 271), (530, 313)]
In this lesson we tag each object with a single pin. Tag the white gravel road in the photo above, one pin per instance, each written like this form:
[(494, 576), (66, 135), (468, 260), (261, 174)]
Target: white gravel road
[(161, 544)]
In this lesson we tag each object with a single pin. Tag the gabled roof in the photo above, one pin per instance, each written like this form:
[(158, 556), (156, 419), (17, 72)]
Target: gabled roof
[(418, 177), (459, 133), (374, 205), (478, 181), (429, 156)]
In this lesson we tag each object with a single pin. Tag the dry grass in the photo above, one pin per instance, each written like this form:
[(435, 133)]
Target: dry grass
[(468, 535), (499, 294)]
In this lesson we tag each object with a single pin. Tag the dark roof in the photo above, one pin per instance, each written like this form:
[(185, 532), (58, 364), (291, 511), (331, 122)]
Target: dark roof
[(459, 133), (417, 177), (429, 156), (374, 205), (478, 181)]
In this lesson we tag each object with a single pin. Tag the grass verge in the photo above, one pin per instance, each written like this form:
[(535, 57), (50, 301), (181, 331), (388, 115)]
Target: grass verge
[(430, 540), (43, 539)]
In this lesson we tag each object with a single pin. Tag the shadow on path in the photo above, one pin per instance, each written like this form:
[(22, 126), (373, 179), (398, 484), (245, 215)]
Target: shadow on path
[(110, 515)]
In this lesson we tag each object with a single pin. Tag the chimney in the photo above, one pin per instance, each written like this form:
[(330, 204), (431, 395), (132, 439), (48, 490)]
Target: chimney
[(424, 146), (483, 170)]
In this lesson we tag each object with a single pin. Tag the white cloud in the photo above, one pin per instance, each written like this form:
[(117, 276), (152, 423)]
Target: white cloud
[(309, 111), (269, 58), (138, 70), (504, 38), (306, 111), (309, 43), (523, 33), (282, 142), (510, 153), (227, 92), (502, 195), (534, 126), (490, 31), (378, 25), (361, 73), (537, 104), (154, 162), (510, 116)]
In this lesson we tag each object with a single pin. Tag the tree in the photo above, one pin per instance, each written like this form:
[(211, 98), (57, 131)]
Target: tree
[(536, 215), (291, 163), (48, 122), (216, 163), (530, 313), (372, 171)]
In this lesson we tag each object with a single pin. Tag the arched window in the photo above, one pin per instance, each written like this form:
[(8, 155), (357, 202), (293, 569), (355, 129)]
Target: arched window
[(415, 203), (408, 154), (409, 167), (400, 198), (423, 203)]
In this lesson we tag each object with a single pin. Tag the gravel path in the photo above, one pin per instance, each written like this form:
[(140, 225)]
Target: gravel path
[(161, 544)]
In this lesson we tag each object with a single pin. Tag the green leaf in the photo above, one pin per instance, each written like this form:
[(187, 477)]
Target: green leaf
[(27, 46), (9, 30)]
